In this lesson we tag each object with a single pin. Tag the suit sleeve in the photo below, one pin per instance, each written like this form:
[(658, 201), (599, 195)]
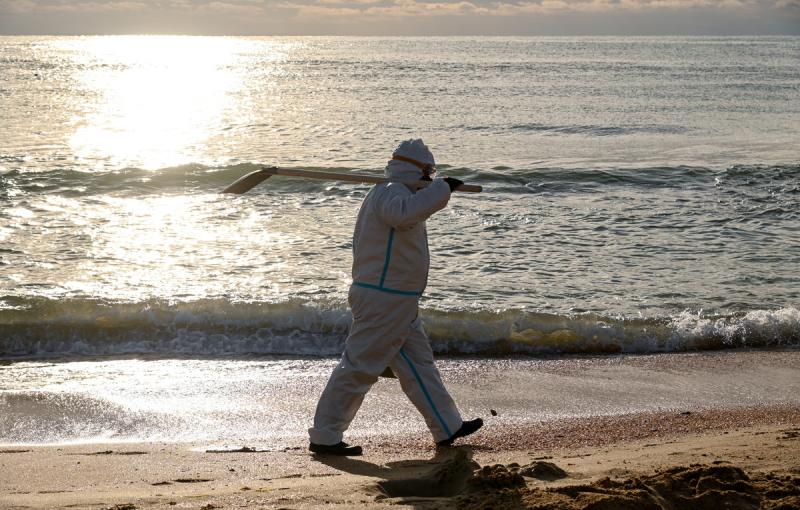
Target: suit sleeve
[(402, 209)]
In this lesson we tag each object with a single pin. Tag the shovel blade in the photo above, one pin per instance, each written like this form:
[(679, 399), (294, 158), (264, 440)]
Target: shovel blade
[(247, 182)]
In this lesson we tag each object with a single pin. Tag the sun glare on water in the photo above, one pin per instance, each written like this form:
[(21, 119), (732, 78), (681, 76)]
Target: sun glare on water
[(154, 101)]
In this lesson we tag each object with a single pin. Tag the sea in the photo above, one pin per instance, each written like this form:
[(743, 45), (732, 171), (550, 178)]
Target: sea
[(641, 198)]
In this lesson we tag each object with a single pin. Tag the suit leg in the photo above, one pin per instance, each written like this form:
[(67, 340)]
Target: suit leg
[(416, 370), (379, 330)]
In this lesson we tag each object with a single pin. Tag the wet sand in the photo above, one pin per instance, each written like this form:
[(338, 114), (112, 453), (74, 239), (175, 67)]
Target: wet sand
[(264, 401), (740, 457)]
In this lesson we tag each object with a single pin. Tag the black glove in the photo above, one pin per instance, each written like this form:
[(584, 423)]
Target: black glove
[(453, 183)]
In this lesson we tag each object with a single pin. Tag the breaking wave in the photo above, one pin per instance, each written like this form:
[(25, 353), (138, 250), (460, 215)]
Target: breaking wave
[(41, 327), (588, 130), (777, 179)]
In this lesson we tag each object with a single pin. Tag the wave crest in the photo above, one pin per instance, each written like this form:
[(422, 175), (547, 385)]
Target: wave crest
[(777, 179), (41, 328)]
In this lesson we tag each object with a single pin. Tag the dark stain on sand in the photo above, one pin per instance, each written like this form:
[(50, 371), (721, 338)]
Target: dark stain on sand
[(295, 475), (110, 452), (243, 449)]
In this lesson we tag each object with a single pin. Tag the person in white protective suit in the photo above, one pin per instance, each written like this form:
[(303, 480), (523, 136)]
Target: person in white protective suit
[(390, 272)]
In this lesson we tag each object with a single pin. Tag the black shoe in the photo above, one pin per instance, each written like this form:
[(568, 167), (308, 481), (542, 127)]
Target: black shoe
[(342, 449), (467, 428)]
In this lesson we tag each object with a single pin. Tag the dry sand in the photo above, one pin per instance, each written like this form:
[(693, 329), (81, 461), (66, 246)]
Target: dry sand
[(735, 458)]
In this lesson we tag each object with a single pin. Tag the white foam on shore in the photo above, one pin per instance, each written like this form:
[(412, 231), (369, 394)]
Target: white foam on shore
[(758, 328), (43, 328)]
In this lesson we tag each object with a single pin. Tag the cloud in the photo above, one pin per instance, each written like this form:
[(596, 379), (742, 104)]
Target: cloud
[(378, 8), (415, 8), (17, 6), (350, 2), (401, 16), (387, 8), (239, 7), (31, 6)]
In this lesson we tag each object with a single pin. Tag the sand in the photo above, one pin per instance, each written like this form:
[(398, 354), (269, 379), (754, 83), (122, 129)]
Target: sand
[(734, 458)]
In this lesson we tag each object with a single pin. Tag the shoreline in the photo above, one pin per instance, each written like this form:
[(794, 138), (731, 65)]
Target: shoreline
[(760, 443), (204, 401)]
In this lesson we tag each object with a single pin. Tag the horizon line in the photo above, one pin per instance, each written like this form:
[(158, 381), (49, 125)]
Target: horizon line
[(386, 36)]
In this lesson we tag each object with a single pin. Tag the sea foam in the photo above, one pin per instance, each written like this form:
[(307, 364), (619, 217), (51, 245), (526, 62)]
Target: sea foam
[(42, 328)]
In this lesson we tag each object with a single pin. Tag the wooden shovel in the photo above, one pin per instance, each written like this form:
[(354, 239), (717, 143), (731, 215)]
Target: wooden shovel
[(249, 181)]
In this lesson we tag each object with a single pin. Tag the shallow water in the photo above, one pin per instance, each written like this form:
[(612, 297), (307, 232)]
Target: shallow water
[(264, 401)]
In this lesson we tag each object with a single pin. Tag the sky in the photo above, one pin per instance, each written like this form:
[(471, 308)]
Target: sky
[(401, 17)]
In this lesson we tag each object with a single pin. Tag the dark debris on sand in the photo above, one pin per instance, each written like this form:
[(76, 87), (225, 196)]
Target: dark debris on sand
[(495, 477), (459, 482), (697, 487), (243, 449), (543, 471)]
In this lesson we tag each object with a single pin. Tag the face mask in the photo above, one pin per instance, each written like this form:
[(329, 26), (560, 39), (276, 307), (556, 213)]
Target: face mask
[(427, 172)]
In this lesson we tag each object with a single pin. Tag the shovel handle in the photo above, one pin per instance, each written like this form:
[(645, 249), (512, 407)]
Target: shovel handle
[(331, 176)]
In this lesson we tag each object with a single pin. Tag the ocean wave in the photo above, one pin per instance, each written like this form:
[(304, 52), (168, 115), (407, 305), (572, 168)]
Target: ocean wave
[(73, 182), (780, 179), (584, 129), (41, 327)]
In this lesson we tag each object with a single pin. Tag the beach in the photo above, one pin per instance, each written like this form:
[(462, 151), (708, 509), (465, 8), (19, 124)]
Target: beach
[(585, 415), (746, 458)]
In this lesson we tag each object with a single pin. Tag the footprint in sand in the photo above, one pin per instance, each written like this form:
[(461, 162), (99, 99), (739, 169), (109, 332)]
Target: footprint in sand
[(446, 479)]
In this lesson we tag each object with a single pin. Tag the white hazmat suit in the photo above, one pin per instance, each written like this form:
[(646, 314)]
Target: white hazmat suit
[(390, 272)]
